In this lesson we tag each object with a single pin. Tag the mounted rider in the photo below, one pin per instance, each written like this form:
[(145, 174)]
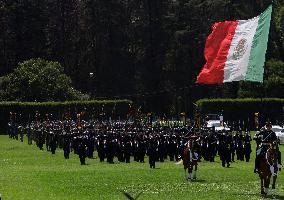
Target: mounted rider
[(264, 139)]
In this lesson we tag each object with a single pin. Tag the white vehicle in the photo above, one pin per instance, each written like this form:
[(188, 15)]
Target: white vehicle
[(279, 131), (217, 125)]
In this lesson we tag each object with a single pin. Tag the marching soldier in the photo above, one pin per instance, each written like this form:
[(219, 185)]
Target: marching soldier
[(211, 147), (240, 146), (141, 149), (101, 147), (91, 146), (66, 146), (82, 151), (53, 143), (247, 141), (29, 133), (127, 149), (225, 150), (152, 153), (110, 150)]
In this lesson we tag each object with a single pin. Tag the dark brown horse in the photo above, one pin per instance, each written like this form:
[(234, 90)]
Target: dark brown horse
[(268, 167), (190, 161)]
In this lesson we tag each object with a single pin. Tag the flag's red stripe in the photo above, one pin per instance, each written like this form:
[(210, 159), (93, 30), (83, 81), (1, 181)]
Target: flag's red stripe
[(216, 51)]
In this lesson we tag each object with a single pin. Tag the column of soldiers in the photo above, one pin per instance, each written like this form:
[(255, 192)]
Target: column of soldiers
[(123, 140)]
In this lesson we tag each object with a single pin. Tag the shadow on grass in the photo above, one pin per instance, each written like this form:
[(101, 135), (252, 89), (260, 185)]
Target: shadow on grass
[(195, 181), (128, 196), (86, 164), (277, 197), (198, 181)]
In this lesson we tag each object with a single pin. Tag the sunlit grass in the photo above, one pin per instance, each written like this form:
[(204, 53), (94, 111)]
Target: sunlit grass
[(28, 173)]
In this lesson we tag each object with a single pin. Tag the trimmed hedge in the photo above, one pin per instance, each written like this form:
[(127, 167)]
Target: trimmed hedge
[(244, 109), (94, 108)]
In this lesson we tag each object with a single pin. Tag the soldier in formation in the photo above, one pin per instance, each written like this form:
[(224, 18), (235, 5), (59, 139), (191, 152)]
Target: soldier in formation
[(123, 140)]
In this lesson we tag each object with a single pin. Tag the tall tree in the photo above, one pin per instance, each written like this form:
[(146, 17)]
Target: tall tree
[(145, 50)]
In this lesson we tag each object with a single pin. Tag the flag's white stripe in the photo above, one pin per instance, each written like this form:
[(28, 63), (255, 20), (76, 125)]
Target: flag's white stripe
[(237, 63)]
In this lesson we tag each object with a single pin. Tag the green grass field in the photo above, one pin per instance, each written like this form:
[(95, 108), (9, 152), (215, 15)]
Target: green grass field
[(28, 173)]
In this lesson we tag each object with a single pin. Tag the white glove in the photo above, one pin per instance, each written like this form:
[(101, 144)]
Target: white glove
[(272, 169)]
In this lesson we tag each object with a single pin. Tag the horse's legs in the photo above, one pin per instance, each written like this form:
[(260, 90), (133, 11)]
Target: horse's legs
[(266, 184), (194, 172), (273, 185), (268, 181), (189, 173), (187, 177), (273, 181), (261, 185)]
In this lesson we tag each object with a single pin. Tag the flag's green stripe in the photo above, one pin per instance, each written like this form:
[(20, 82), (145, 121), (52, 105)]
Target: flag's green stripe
[(259, 45)]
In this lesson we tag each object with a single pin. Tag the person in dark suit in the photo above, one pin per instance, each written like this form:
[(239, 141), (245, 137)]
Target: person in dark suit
[(247, 146), (152, 153)]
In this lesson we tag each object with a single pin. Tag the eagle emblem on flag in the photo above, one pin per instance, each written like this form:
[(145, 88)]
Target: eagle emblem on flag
[(240, 49)]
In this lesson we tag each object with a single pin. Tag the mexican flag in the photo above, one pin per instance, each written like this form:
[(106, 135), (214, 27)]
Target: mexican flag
[(235, 50)]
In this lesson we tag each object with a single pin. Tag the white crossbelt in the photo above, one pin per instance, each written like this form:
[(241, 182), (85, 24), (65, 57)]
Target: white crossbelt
[(267, 136)]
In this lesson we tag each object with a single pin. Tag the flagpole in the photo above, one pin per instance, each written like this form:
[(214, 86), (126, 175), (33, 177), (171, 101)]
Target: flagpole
[(185, 104), (261, 104)]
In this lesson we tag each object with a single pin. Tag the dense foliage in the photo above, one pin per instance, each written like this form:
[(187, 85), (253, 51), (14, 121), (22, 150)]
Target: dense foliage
[(38, 80), (26, 110), (244, 109), (148, 51)]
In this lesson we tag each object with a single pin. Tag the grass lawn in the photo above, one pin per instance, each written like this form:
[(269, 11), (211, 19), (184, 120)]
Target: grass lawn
[(28, 173)]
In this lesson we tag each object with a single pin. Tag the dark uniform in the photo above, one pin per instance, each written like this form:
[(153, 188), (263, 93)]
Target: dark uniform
[(110, 150), (240, 147), (101, 148), (211, 147), (263, 139), (127, 149), (52, 143), (66, 147), (91, 146), (29, 134), (225, 150), (152, 153), (82, 151), (247, 147)]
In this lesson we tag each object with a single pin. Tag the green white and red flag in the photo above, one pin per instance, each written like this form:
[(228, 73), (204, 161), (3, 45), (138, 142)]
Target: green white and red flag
[(235, 50)]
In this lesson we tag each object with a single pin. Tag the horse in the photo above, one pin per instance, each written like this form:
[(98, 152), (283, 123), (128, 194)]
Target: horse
[(190, 159), (269, 167)]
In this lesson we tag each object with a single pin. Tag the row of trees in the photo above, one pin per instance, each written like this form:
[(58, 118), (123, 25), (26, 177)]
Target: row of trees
[(148, 51)]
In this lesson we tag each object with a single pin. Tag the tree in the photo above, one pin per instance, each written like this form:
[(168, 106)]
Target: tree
[(278, 27), (273, 85), (144, 50), (38, 80), (274, 82)]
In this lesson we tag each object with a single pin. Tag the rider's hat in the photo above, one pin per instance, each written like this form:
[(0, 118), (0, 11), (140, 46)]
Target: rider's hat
[(268, 124)]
